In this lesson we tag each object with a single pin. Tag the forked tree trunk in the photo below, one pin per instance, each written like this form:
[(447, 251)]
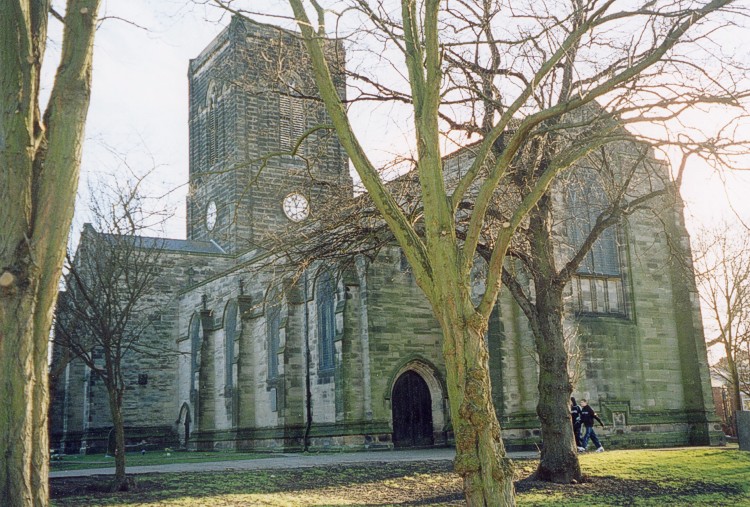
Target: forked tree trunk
[(39, 167)]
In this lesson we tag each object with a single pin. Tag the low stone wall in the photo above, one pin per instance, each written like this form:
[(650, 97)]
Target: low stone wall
[(98, 440)]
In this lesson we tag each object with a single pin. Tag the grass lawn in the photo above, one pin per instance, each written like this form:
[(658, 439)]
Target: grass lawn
[(84, 461), (701, 476)]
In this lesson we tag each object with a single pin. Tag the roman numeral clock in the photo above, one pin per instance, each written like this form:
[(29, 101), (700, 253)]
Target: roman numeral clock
[(296, 207)]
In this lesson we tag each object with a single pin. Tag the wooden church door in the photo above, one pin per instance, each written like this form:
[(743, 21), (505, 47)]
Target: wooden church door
[(412, 411)]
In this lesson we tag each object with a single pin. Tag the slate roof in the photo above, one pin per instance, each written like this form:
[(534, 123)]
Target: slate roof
[(174, 245), (180, 245)]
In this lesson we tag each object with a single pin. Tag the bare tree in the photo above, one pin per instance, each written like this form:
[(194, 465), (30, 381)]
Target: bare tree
[(570, 233), (571, 237), (721, 370), (723, 264), (506, 78), (40, 159), (110, 297)]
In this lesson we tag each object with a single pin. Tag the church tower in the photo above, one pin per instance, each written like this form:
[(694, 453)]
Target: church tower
[(257, 165)]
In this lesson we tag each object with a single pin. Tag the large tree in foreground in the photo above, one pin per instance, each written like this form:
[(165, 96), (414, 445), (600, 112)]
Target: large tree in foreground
[(543, 84), (571, 237), (521, 52), (39, 165)]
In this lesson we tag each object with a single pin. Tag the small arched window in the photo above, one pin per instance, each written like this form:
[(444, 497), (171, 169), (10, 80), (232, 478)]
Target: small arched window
[(292, 115), (324, 301)]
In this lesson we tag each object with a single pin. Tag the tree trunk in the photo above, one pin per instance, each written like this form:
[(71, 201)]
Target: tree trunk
[(480, 454), (18, 427), (38, 181), (559, 457), (120, 481)]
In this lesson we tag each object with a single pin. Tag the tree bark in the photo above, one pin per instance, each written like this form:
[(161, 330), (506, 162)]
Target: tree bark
[(480, 454), (39, 167), (120, 481), (559, 459)]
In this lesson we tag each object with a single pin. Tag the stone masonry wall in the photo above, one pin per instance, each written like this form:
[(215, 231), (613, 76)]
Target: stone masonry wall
[(246, 114)]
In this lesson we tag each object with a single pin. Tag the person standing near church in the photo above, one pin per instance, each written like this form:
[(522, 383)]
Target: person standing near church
[(575, 417), (588, 416)]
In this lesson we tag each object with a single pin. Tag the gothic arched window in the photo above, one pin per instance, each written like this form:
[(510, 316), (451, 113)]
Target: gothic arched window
[(597, 286), (586, 202), (324, 300)]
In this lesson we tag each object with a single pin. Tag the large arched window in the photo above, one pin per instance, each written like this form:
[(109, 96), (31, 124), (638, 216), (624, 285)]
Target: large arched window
[(586, 203), (273, 328), (597, 286), (324, 300)]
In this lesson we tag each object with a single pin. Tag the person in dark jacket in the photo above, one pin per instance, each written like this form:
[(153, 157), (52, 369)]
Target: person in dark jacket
[(575, 416), (588, 416)]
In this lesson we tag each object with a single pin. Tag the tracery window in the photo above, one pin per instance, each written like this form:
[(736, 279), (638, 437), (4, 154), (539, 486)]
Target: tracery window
[(598, 284)]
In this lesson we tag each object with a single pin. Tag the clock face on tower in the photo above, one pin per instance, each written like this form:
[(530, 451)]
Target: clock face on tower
[(296, 207), (211, 213)]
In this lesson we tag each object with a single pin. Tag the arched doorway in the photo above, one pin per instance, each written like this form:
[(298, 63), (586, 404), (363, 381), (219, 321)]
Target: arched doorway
[(183, 425), (412, 411)]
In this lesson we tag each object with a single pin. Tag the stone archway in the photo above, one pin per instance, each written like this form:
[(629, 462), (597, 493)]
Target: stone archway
[(411, 406)]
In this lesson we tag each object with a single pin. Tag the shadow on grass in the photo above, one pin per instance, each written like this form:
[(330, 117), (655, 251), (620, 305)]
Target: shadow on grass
[(423, 483), (609, 490), (378, 484)]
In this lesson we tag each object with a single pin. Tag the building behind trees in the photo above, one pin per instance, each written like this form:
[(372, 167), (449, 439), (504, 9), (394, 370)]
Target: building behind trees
[(253, 358)]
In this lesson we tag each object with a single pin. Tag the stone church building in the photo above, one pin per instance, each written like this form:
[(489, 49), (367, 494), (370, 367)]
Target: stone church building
[(352, 358)]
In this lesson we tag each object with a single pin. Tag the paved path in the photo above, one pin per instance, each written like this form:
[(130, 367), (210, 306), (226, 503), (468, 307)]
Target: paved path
[(288, 461)]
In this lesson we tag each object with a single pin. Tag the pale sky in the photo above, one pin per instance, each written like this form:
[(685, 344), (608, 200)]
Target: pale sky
[(140, 99), (139, 105)]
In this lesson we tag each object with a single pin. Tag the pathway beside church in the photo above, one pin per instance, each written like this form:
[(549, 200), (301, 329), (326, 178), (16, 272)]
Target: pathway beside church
[(290, 461)]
